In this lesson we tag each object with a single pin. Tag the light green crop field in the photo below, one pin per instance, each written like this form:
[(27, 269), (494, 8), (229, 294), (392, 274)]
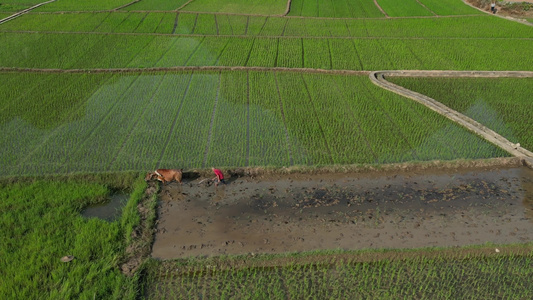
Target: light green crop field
[(439, 276), (256, 7), (503, 104), (57, 123), (335, 9)]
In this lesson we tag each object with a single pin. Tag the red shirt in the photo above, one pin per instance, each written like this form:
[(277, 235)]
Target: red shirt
[(219, 174)]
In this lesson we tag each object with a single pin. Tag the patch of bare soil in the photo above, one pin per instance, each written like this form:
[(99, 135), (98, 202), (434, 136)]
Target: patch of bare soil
[(517, 9), (301, 212)]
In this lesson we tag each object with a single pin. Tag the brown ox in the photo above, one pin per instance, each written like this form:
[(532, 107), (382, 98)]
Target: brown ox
[(165, 175)]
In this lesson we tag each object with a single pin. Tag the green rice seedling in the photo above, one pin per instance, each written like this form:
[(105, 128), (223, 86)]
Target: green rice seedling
[(255, 7), (197, 109), (316, 54), (290, 52), (236, 53), (209, 52), (269, 143), (408, 8), (449, 7), (73, 5), (130, 23), (229, 133), (206, 24), (263, 53), (158, 5)]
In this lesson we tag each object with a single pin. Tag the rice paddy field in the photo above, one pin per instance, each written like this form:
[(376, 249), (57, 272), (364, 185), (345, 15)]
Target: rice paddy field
[(96, 93)]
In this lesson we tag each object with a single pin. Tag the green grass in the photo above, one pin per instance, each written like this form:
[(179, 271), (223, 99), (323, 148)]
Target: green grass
[(41, 222), (501, 104), (412, 274)]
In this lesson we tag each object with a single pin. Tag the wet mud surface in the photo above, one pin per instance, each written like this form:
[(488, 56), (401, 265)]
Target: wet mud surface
[(301, 212)]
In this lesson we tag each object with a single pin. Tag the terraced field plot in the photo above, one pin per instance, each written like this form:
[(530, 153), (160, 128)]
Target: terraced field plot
[(502, 104), (60, 123)]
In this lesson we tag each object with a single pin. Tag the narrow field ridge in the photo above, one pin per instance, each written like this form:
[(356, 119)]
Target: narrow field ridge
[(185, 68), (20, 13), (378, 78)]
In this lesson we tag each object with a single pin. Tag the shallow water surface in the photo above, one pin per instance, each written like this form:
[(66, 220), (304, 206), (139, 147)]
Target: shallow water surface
[(110, 210)]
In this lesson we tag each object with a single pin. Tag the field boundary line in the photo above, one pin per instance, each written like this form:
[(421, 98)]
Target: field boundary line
[(184, 68), (264, 36), (287, 8), (126, 5), (422, 4), (378, 78), (24, 11), (381, 9), (183, 5)]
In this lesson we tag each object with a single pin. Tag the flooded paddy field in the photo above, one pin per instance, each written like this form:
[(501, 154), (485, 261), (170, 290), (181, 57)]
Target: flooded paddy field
[(302, 212)]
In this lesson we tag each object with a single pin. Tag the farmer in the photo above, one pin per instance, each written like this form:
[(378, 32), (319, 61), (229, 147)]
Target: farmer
[(219, 177), (493, 7)]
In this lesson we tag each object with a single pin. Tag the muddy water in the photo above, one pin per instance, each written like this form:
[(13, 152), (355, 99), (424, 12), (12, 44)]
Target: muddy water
[(109, 211), (347, 211)]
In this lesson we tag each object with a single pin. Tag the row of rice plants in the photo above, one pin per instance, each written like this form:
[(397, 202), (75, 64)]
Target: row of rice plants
[(88, 144), (306, 135), (437, 278), (189, 120), (187, 141), (408, 8), (147, 140), (258, 7), (209, 24), (449, 7), (74, 5), (501, 104), (111, 51), (58, 145), (345, 132), (335, 9), (230, 128), (41, 112), (156, 5), (269, 145), (436, 137)]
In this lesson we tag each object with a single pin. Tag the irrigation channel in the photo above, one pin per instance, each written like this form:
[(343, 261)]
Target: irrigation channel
[(433, 207)]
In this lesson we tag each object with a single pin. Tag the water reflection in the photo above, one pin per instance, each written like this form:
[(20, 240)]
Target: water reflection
[(109, 211)]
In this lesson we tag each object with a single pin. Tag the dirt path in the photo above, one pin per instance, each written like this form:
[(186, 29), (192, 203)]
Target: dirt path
[(378, 78), (20, 13), (301, 212)]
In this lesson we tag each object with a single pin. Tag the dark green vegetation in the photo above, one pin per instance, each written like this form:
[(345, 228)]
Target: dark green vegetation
[(57, 123), (40, 223), (503, 104), (437, 274)]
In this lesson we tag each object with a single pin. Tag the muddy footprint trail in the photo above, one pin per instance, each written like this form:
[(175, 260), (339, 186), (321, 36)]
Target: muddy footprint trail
[(301, 212)]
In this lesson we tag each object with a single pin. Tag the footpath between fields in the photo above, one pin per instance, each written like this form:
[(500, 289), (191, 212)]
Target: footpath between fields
[(378, 78)]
